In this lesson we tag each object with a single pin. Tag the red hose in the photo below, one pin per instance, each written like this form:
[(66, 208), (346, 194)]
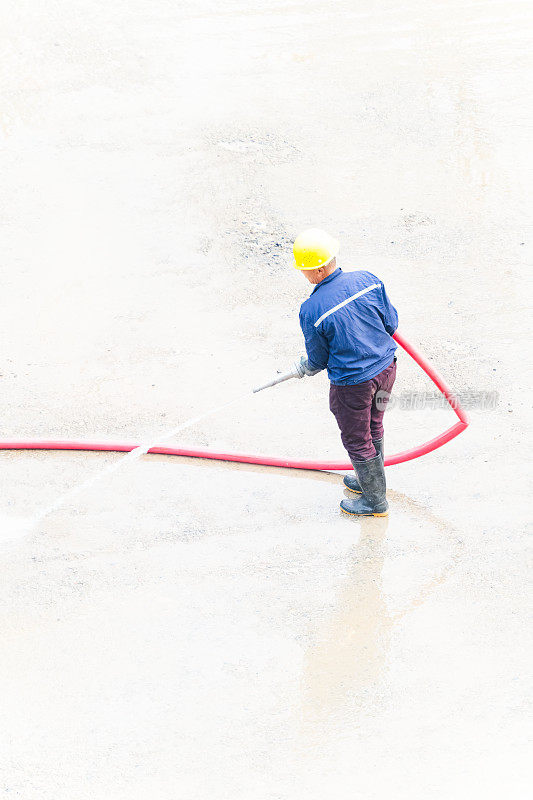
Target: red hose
[(398, 458)]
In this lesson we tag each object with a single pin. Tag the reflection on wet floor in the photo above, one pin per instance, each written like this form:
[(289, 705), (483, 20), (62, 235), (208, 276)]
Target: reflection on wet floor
[(350, 651), (346, 666)]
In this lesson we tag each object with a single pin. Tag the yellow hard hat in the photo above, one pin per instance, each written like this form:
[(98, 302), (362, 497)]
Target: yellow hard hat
[(314, 248)]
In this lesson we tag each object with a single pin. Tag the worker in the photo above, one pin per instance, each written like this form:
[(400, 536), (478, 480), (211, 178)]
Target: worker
[(347, 323)]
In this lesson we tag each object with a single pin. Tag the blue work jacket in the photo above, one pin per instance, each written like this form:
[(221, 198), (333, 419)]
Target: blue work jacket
[(347, 323)]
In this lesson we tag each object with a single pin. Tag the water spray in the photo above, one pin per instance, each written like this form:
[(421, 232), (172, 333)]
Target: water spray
[(296, 371), (17, 527)]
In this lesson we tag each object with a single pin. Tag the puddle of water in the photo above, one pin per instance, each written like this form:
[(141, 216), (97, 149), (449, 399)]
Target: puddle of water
[(346, 666), (352, 647)]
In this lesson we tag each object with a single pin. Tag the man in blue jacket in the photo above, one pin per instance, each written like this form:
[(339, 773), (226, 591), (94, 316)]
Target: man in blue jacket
[(347, 323)]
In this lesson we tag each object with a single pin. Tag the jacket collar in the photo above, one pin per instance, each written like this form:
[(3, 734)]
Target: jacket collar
[(331, 277)]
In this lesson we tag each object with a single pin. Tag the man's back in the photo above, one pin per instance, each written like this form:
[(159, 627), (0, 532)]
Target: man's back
[(347, 323)]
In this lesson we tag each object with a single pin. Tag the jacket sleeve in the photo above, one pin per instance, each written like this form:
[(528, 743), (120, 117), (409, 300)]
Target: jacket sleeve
[(388, 313), (316, 344)]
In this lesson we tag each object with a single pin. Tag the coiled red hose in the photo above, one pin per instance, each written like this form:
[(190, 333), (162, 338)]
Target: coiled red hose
[(398, 458)]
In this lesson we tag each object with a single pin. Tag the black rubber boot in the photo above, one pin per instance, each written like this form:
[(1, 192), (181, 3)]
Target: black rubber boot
[(373, 502), (350, 481)]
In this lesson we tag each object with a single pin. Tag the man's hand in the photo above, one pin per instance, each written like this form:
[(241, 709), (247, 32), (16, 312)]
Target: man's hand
[(303, 365)]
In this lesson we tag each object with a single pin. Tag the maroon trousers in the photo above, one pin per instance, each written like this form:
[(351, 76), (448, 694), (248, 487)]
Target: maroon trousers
[(359, 411)]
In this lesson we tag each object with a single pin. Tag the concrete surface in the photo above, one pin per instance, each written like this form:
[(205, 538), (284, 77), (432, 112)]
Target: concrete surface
[(187, 629)]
